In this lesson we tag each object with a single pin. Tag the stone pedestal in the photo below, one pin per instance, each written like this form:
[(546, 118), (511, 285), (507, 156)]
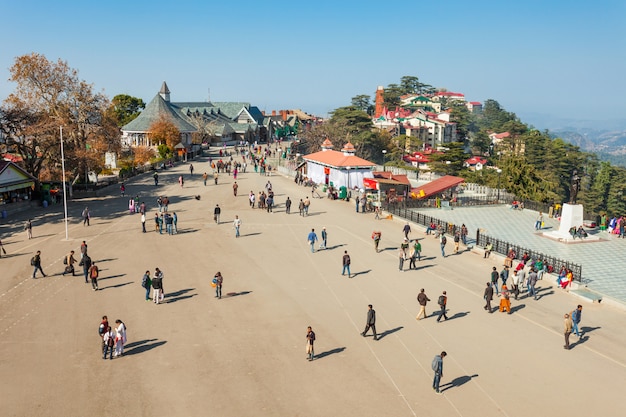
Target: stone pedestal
[(571, 216)]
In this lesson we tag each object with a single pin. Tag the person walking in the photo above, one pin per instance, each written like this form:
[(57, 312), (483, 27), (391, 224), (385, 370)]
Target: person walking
[(371, 322), (310, 340), (181, 181), (288, 206), (301, 207), (307, 205), (437, 366), (146, 283), (216, 213), (443, 302), (157, 285), (86, 216), (143, 222), (324, 238), (494, 279), (539, 221), (251, 198), (215, 177), (218, 280), (415, 254), (406, 229), (401, 255), (191, 170), (457, 240), (376, 237), (86, 264), (404, 246), (2, 250), (532, 281), (576, 316), (422, 299), (108, 340), (235, 188), (69, 261), (36, 263), (312, 238), (93, 274), (236, 225), (346, 263), (488, 296), (505, 302), (29, 228), (205, 176), (156, 179), (174, 223), (567, 330), (442, 243), (464, 234), (83, 249)]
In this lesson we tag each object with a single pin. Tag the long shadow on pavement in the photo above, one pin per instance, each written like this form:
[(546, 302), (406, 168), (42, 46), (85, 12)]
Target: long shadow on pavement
[(178, 293), (236, 294), (335, 246), (182, 297), (330, 352), (517, 307), (390, 331), (111, 277), (116, 285), (459, 315), (139, 342), (361, 273), (144, 348), (457, 382)]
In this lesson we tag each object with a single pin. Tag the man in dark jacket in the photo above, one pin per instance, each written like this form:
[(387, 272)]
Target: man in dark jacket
[(86, 264), (371, 322), (488, 297)]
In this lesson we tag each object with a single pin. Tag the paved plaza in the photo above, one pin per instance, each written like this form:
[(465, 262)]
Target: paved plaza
[(601, 261), (245, 355)]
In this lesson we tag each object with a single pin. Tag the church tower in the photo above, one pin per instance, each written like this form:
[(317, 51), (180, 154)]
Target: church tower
[(165, 92), (379, 101)]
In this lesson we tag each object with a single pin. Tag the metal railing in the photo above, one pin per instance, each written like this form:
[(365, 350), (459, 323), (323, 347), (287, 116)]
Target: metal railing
[(502, 247), (499, 246)]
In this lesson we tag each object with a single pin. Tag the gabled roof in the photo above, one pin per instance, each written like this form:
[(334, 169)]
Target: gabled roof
[(336, 159), (387, 175), (438, 186), (475, 160), (13, 177), (475, 103), (154, 110), (500, 135)]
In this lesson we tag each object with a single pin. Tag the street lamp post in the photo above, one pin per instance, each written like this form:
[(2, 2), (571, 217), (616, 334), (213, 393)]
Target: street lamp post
[(499, 176), (384, 159), (64, 189)]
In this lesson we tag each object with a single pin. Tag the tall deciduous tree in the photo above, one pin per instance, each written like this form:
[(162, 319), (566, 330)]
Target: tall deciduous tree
[(54, 93), (164, 132)]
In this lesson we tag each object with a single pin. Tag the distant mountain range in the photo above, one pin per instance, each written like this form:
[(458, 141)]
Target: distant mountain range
[(605, 138)]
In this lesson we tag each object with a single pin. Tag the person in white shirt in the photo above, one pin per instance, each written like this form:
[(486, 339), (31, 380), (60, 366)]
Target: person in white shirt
[(120, 337), (237, 225), (109, 342)]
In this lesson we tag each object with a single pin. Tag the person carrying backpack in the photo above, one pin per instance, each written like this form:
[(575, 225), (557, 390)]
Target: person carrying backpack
[(108, 340), (146, 283), (93, 274), (35, 262), (442, 301)]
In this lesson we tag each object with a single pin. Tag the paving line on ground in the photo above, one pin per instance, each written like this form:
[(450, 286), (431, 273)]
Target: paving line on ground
[(398, 302), (338, 300)]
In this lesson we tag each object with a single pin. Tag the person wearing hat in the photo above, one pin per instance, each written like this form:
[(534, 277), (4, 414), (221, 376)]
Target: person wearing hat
[(324, 238), (405, 248)]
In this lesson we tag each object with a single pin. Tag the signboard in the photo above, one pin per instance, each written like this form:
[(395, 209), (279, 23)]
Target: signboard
[(370, 184)]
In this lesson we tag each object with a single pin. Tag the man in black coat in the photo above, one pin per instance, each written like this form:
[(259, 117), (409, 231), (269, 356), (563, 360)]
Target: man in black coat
[(371, 322), (488, 297)]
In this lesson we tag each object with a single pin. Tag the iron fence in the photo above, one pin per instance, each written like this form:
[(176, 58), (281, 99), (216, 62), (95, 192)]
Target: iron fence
[(499, 246), (552, 263)]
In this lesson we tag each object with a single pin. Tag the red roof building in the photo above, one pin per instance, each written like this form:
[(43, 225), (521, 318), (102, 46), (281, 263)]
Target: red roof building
[(341, 168)]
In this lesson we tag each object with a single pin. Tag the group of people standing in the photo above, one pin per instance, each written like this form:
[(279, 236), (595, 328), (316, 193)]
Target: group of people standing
[(113, 341)]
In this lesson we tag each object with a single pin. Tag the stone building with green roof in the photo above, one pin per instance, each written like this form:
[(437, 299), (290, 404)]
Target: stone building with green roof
[(222, 122)]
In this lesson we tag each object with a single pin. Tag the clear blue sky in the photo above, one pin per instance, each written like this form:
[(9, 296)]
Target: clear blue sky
[(565, 59)]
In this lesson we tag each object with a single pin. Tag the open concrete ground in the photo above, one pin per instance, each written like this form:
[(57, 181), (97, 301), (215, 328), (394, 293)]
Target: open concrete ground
[(245, 354)]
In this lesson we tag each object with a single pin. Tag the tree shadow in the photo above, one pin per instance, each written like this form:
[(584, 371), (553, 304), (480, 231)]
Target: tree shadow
[(236, 294), (459, 315), (144, 348), (390, 331), (111, 277), (517, 307), (361, 273), (457, 382), (116, 285), (329, 352)]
